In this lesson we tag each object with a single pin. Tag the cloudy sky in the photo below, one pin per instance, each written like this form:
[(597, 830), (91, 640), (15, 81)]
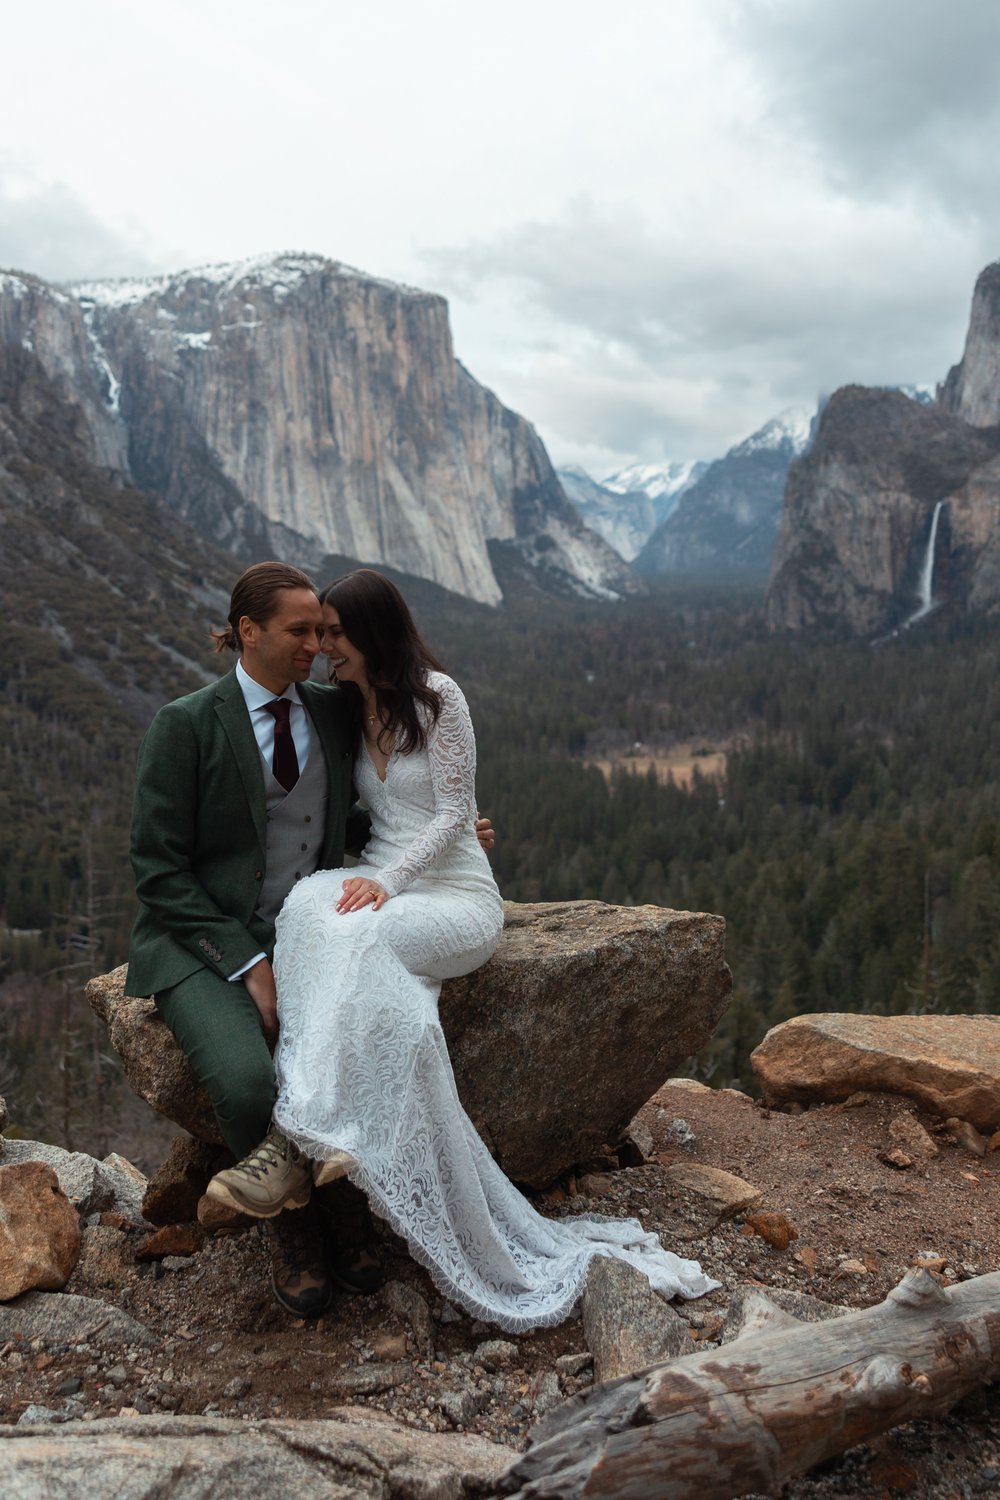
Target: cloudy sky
[(658, 222)]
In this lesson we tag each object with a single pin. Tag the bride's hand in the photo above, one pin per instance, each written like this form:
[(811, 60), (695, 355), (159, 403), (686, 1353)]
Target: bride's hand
[(357, 892)]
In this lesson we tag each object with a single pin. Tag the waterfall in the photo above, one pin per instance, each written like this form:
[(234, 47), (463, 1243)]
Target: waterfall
[(927, 572)]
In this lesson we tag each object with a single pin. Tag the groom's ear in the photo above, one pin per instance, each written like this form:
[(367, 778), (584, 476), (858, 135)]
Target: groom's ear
[(248, 631)]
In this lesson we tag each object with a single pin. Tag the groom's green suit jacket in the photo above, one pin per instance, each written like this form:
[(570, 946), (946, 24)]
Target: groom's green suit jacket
[(199, 831)]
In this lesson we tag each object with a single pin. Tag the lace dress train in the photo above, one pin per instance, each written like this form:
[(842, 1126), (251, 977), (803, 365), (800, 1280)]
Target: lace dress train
[(363, 1066)]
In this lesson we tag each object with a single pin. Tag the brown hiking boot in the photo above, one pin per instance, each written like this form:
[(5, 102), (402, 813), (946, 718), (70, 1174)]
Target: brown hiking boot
[(353, 1250), (299, 1276)]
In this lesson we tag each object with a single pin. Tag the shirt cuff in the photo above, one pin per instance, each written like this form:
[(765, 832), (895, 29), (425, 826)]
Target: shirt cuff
[(240, 972)]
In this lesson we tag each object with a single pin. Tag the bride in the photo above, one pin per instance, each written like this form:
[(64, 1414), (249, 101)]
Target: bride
[(365, 1086)]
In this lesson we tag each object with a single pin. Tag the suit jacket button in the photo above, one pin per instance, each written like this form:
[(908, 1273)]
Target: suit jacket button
[(308, 817), (202, 943), (298, 874), (258, 874)]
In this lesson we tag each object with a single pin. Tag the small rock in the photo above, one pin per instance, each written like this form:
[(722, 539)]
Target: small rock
[(495, 1354), (171, 1239), (408, 1304), (106, 1258), (718, 1195), (33, 1415), (968, 1136), (641, 1137), (449, 1314), (625, 1323), (896, 1158), (774, 1228), (908, 1133), (545, 1392), (595, 1184), (574, 1364), (118, 1375), (460, 1407), (851, 1268), (693, 1084), (680, 1132), (68, 1387), (238, 1387), (390, 1347), (368, 1380)]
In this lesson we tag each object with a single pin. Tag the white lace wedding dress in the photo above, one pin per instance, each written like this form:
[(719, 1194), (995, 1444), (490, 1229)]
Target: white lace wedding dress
[(362, 1063)]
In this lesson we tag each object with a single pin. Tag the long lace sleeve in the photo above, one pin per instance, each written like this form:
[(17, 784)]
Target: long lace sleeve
[(451, 752)]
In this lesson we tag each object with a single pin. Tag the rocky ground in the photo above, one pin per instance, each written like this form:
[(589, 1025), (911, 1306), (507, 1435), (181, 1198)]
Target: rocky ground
[(841, 1216)]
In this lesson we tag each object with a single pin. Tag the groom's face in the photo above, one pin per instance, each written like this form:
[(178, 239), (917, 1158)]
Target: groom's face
[(280, 649)]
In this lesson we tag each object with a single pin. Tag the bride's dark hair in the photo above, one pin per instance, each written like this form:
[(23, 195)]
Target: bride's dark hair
[(376, 620)]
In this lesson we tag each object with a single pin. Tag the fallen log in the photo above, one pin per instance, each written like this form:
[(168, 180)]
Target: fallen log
[(773, 1403)]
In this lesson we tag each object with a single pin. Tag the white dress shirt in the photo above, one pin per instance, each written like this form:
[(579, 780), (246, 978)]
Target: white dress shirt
[(257, 697)]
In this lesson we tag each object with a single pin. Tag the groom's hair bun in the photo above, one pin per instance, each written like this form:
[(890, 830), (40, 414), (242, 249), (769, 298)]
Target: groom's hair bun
[(255, 594)]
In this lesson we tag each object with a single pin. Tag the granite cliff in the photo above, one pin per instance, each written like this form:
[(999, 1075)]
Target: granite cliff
[(971, 389), (293, 406), (896, 508), (859, 507)]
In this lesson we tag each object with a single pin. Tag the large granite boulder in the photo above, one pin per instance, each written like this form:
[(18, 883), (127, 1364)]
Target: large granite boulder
[(39, 1230), (91, 1186), (949, 1065), (582, 1013)]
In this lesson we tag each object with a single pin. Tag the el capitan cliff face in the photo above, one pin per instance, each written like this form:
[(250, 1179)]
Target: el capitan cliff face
[(295, 407)]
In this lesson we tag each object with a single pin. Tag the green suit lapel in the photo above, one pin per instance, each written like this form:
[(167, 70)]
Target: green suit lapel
[(328, 722), (234, 717)]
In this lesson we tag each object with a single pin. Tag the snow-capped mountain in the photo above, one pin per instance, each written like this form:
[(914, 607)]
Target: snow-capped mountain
[(664, 483), (625, 519), (727, 521)]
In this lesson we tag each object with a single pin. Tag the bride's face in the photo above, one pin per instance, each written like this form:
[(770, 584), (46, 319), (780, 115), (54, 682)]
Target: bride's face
[(346, 661)]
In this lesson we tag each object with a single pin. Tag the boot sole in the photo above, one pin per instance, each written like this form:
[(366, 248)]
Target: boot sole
[(325, 1172), (291, 1305), (220, 1192)]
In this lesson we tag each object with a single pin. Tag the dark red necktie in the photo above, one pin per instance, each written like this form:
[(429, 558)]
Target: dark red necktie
[(285, 764)]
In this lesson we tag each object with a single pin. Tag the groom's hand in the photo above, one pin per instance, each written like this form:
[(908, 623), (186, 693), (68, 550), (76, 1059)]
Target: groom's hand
[(485, 833), (259, 982)]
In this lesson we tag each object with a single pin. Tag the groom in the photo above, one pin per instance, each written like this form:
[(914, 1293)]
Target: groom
[(243, 788)]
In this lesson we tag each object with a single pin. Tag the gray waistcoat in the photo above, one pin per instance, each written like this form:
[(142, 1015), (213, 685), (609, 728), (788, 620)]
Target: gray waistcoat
[(296, 822)]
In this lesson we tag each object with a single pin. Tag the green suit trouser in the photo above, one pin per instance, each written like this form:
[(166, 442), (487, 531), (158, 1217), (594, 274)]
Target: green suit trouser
[(218, 1027)]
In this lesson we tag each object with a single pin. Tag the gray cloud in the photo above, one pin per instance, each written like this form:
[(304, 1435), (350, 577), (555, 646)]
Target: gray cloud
[(677, 347), (897, 95), (47, 229)]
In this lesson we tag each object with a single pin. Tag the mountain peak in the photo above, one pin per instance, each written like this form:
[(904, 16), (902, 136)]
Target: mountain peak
[(278, 272)]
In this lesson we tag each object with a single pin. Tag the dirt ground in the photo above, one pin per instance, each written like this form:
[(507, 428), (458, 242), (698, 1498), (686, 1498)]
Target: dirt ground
[(228, 1348)]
